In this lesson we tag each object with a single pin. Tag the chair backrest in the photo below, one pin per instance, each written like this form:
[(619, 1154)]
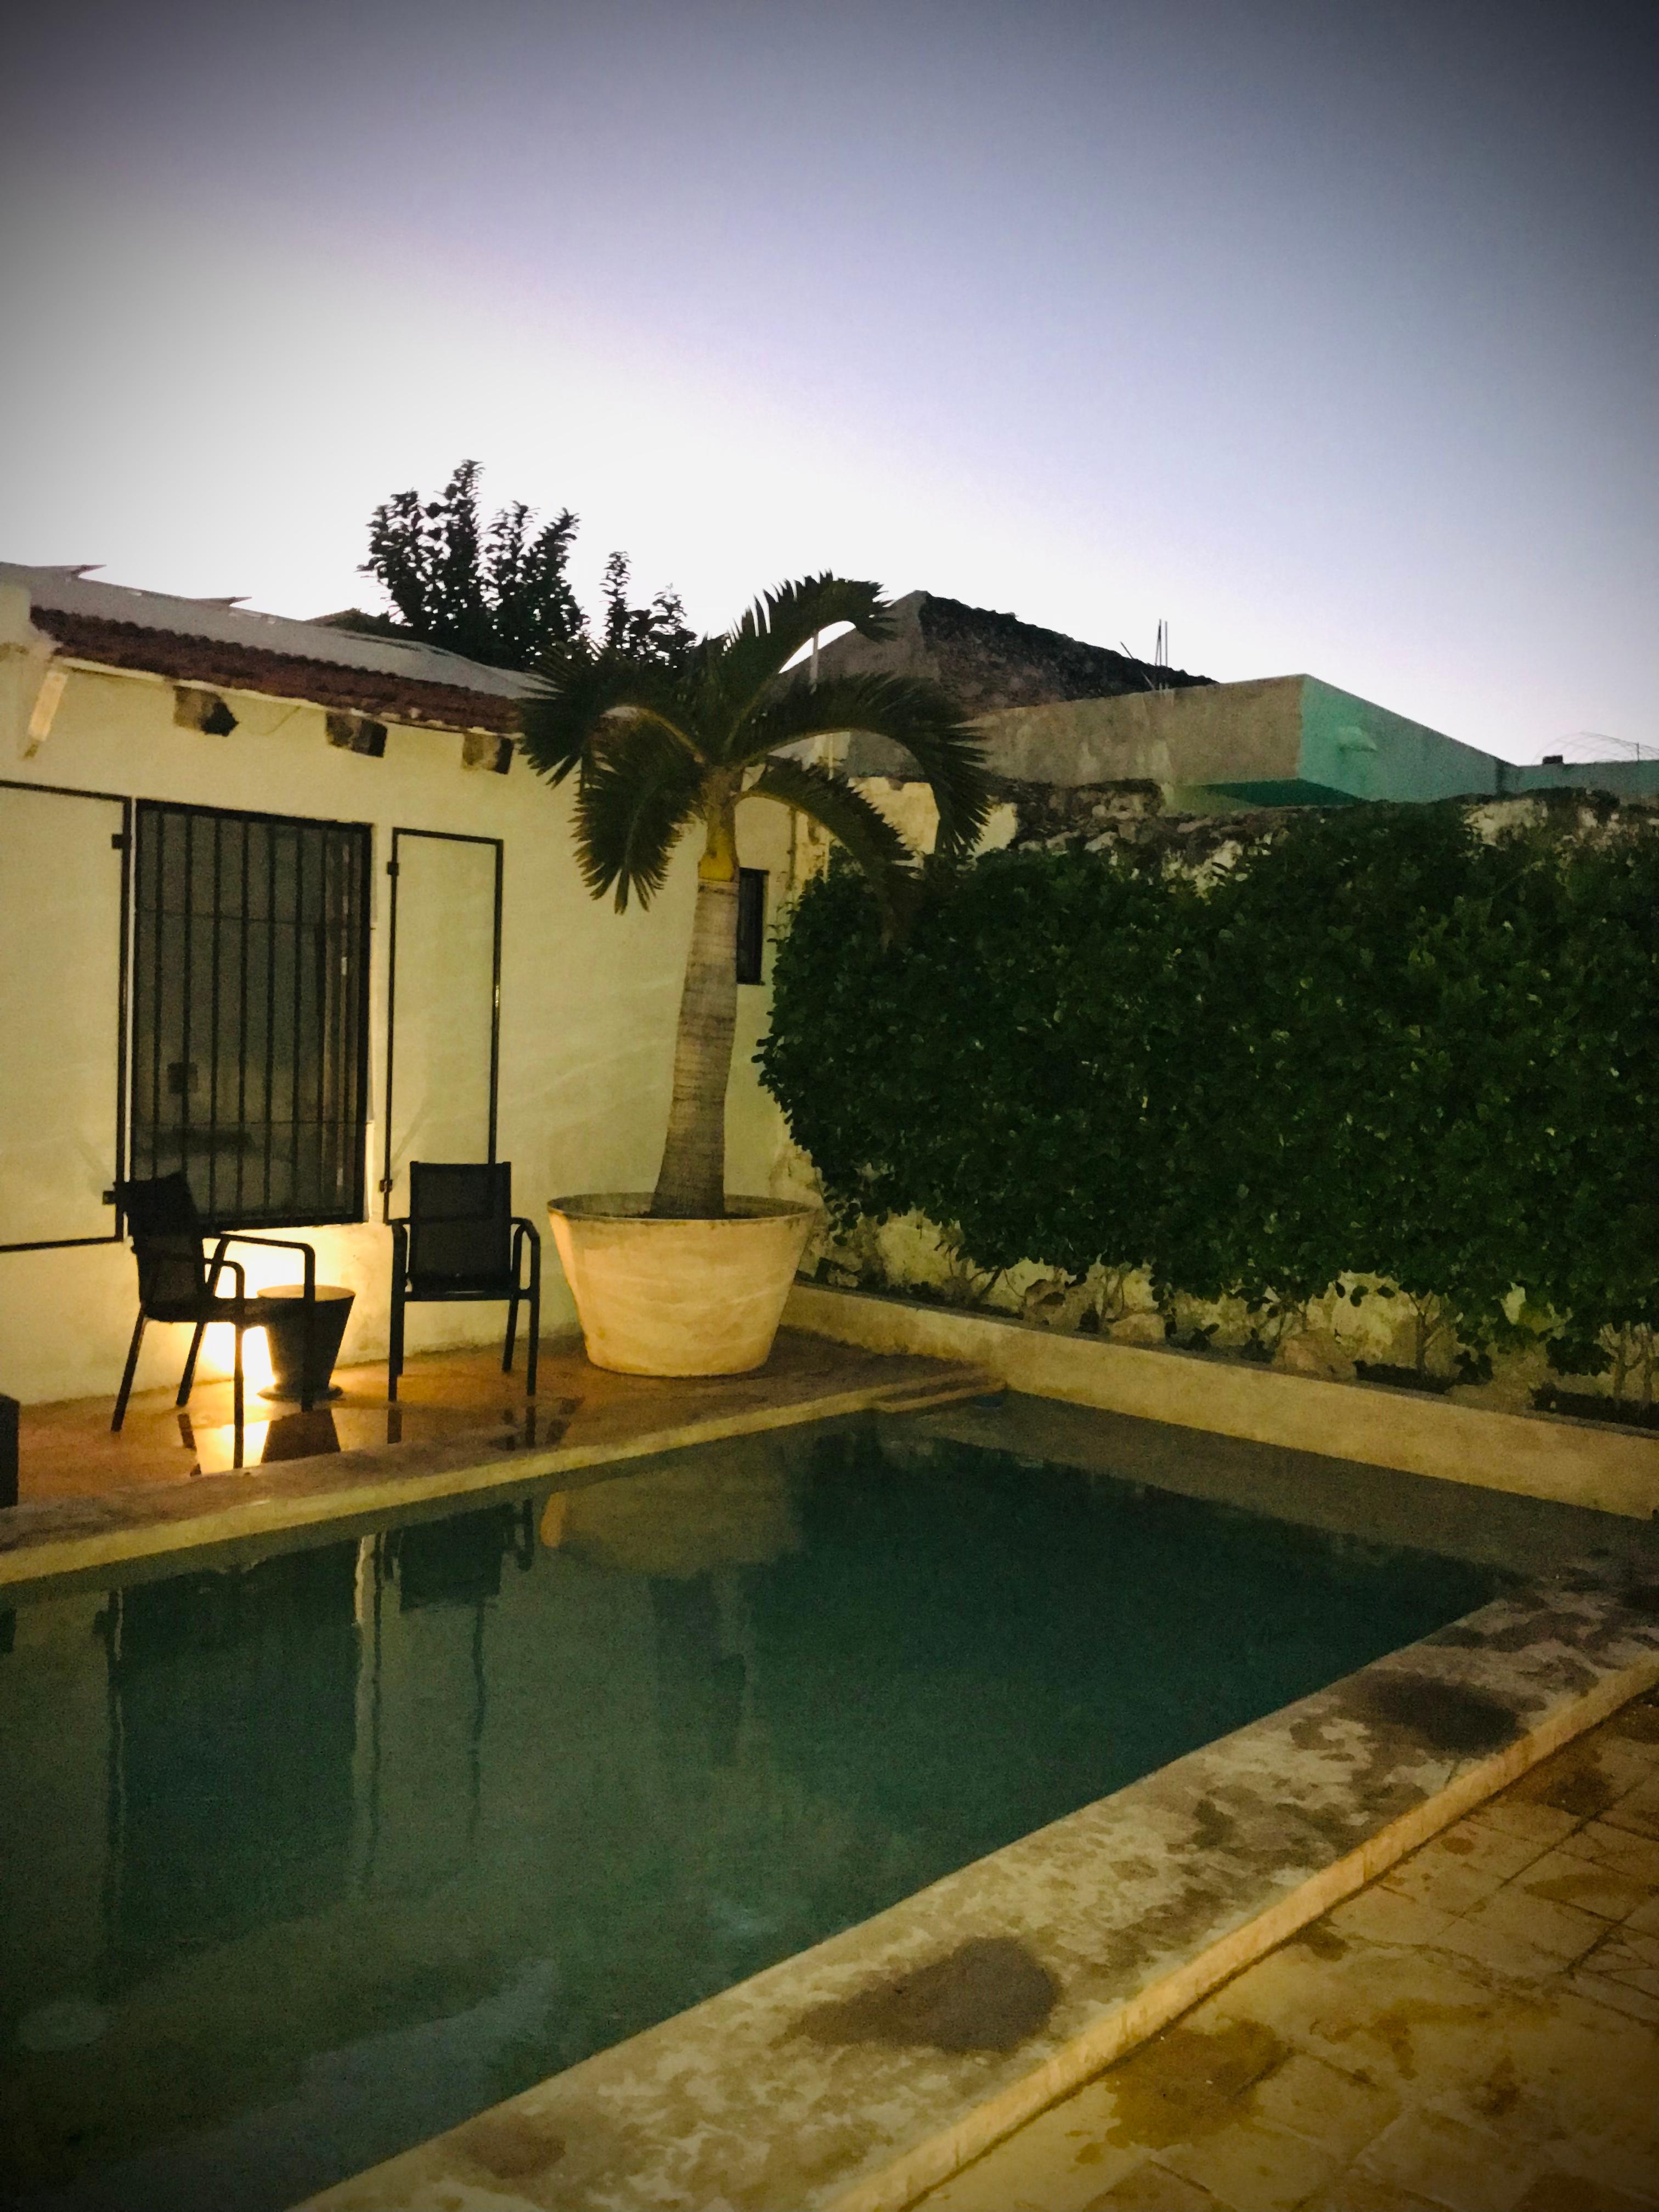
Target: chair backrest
[(460, 1224), (166, 1241)]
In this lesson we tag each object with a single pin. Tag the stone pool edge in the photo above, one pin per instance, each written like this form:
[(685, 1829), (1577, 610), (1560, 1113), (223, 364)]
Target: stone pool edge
[(1552, 1456), (45, 1541), (778, 2093)]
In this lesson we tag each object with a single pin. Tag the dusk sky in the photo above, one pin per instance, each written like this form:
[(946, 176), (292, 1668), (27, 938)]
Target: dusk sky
[(1328, 332)]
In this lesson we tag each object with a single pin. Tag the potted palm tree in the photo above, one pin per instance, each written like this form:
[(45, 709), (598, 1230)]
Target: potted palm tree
[(685, 1279)]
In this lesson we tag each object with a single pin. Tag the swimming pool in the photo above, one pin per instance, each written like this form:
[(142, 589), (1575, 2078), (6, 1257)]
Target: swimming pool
[(311, 1854)]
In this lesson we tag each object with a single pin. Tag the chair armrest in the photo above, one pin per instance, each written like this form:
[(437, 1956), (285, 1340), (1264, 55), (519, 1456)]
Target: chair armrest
[(222, 1265), (281, 1245), (521, 1229)]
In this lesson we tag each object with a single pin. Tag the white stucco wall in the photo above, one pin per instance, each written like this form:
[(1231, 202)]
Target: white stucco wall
[(588, 1000)]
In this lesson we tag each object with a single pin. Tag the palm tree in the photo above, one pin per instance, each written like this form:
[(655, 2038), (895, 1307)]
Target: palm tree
[(659, 752)]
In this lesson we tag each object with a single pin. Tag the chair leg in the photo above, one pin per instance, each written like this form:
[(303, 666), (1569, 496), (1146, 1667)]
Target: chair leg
[(189, 1375), (535, 1322), (512, 1333), (131, 1369), (236, 1398), (394, 1356)]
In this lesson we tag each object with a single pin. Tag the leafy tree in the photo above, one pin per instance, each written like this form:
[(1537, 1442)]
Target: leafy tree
[(500, 592), (660, 750), (657, 632)]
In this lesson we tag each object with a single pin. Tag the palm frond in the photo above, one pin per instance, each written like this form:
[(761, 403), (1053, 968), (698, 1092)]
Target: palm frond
[(837, 805), (751, 654), (597, 701), (908, 712), (637, 794)]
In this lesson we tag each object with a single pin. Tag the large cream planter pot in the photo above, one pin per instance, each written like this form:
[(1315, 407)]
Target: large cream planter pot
[(678, 1297)]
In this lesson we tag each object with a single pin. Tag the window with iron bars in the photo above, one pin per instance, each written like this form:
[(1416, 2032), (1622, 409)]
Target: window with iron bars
[(249, 1012)]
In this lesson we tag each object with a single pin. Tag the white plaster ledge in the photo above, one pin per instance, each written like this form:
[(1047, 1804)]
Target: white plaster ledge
[(1534, 1455)]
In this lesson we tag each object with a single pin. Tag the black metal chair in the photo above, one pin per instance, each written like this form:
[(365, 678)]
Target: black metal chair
[(461, 1240), (177, 1282)]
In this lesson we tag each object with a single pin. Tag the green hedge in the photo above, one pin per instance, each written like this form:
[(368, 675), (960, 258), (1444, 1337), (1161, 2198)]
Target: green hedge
[(1377, 1044)]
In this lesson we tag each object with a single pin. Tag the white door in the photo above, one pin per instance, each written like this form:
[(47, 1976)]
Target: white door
[(441, 1037), (63, 884)]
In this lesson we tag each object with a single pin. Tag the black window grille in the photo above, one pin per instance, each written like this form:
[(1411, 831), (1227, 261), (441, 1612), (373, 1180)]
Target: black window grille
[(249, 1012), (751, 923)]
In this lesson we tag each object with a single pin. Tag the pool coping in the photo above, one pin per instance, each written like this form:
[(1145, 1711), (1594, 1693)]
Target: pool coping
[(1552, 1455), (44, 1541), (867, 2070)]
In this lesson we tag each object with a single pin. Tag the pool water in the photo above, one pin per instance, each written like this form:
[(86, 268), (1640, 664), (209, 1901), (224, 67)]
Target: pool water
[(304, 1857)]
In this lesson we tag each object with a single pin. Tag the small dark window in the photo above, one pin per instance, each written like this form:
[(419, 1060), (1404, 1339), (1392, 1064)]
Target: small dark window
[(249, 990), (751, 923)]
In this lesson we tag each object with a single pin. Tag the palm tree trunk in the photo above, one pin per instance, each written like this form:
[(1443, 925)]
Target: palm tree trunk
[(691, 1184)]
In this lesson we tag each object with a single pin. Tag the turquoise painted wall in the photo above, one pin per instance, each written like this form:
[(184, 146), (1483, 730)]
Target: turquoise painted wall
[(1363, 751), (1350, 745)]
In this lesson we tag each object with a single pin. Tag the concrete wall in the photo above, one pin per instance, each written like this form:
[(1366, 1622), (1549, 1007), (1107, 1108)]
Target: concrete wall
[(588, 998), (1193, 736), (1350, 745), (1276, 741)]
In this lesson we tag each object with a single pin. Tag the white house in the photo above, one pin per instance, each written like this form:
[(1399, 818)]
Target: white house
[(215, 825)]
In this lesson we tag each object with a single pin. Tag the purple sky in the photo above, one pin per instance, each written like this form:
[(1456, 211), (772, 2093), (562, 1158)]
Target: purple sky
[(1329, 331)]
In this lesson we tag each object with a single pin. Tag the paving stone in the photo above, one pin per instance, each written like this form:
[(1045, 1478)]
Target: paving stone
[(1542, 1824), (1396, 2018), (1465, 2168), (1441, 1879), (1585, 1778), (1628, 1957), (1357, 2193), (1556, 2191), (1639, 1811), (1152, 2188), (1486, 1846), (1590, 2069), (1605, 1989), (1280, 1991), (1559, 1931), (1625, 1853), (1320, 2100), (1383, 1915), (1586, 1884), (1498, 1949), (1637, 1723), (1255, 2167), (1058, 2162)]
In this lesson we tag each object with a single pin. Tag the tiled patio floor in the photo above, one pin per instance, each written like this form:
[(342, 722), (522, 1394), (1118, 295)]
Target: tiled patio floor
[(1478, 2031), (90, 1500), (66, 1450)]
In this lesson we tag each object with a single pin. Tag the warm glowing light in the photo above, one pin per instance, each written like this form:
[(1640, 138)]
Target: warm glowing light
[(219, 1351), (215, 1449)]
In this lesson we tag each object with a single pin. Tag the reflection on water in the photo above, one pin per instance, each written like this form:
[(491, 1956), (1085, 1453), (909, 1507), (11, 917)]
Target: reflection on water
[(683, 1521), (457, 1561), (341, 1845), (340, 1426), (215, 1827)]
